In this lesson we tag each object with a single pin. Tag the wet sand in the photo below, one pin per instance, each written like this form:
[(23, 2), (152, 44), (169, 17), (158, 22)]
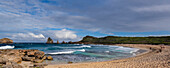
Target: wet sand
[(150, 59)]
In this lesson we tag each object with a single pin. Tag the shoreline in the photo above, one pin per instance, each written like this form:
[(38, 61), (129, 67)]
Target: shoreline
[(141, 51), (125, 62)]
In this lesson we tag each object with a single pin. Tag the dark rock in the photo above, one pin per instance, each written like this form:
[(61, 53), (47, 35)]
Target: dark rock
[(70, 62), (49, 41), (39, 64), (58, 42), (63, 42)]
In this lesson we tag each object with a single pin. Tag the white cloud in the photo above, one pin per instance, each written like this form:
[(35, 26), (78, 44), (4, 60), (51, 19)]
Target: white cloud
[(155, 8), (28, 37), (63, 34)]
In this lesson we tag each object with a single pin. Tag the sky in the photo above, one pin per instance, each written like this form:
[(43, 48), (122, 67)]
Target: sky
[(71, 20)]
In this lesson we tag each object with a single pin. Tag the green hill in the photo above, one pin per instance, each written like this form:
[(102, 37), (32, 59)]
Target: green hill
[(127, 40)]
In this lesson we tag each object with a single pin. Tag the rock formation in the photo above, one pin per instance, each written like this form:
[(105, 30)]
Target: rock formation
[(49, 41), (63, 42), (11, 57), (70, 42), (58, 42), (6, 41)]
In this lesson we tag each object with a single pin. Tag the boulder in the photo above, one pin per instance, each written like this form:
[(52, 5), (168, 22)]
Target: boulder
[(49, 41), (26, 58), (6, 41), (39, 54), (44, 58), (49, 58), (31, 53)]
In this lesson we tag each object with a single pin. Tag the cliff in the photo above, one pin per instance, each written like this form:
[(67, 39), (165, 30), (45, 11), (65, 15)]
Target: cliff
[(49, 41), (126, 40), (6, 41)]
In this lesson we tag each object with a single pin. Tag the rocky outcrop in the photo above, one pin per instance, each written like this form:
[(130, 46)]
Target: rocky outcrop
[(49, 41), (58, 42), (63, 42), (50, 58), (6, 41), (8, 57)]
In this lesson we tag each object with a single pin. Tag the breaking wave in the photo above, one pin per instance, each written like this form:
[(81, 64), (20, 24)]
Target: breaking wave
[(7, 47), (67, 52)]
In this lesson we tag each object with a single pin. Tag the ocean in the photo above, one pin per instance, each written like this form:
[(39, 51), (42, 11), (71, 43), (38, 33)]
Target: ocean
[(64, 53)]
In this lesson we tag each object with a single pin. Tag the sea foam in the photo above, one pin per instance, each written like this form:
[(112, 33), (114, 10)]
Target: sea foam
[(67, 52), (7, 47), (83, 46)]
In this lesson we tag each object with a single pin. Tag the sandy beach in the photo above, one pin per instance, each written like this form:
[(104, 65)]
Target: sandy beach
[(150, 59)]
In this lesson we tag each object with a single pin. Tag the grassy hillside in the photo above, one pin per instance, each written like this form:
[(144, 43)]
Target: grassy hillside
[(127, 40)]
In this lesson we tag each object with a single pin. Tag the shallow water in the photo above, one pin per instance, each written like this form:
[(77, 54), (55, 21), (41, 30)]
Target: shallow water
[(63, 53)]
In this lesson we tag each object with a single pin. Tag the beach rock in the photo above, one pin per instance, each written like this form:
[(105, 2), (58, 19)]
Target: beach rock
[(6, 41), (31, 53), (40, 64), (38, 60), (44, 58), (9, 58), (7, 66), (49, 41), (49, 58), (26, 58), (14, 58), (69, 62), (39, 54), (3, 60), (12, 66), (17, 66)]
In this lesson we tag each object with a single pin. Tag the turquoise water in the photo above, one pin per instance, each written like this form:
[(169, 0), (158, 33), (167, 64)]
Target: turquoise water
[(63, 53)]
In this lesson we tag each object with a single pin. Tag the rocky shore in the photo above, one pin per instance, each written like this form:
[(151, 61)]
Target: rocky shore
[(12, 58), (6, 41)]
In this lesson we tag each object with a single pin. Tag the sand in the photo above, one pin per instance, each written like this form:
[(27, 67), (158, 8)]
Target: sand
[(150, 59)]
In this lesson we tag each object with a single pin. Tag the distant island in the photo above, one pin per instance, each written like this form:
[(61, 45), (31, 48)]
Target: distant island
[(6, 41), (125, 40)]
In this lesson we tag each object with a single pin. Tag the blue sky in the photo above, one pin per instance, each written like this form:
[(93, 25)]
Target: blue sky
[(70, 20)]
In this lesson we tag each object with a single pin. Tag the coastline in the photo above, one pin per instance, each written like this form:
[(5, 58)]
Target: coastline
[(132, 62)]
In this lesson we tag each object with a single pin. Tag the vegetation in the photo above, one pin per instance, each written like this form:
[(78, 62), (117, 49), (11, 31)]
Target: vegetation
[(127, 40)]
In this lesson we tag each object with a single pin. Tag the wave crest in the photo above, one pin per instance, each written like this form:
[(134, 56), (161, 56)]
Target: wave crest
[(67, 52), (7, 47)]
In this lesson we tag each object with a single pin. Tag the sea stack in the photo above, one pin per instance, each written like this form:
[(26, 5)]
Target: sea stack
[(63, 42), (49, 41), (58, 42), (6, 41)]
